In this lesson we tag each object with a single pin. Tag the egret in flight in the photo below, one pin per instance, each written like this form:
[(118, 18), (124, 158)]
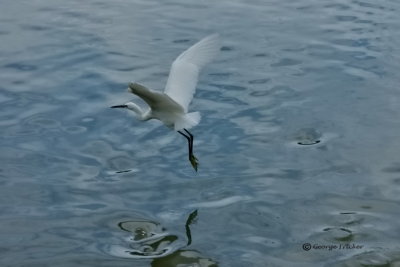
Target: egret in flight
[(172, 106)]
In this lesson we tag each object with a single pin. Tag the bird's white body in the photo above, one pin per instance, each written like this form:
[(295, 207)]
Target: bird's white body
[(163, 108), (171, 106)]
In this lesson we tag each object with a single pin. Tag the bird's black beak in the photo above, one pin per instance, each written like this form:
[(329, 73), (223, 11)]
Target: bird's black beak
[(119, 106)]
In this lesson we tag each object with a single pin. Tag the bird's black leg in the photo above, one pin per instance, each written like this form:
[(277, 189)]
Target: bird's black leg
[(193, 160), (189, 142)]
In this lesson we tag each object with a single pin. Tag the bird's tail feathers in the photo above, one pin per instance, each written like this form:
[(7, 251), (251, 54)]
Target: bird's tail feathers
[(188, 121)]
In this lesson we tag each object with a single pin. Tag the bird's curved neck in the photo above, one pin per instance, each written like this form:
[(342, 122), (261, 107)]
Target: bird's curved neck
[(139, 113)]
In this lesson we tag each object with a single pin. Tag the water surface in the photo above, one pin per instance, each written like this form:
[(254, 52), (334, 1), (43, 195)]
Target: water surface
[(298, 143)]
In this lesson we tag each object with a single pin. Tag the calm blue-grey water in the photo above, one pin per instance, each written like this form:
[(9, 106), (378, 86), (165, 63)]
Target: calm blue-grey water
[(298, 144)]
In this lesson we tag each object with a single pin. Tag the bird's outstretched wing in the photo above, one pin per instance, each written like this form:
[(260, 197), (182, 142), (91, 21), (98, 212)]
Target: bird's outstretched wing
[(185, 70)]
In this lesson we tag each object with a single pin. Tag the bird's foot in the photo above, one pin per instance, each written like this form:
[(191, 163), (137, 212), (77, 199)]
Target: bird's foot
[(194, 161)]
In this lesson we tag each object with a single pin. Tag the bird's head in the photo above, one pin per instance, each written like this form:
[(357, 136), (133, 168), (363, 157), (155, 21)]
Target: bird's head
[(129, 105), (132, 106)]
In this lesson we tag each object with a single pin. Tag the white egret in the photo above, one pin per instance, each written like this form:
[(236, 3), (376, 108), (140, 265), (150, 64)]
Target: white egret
[(171, 106)]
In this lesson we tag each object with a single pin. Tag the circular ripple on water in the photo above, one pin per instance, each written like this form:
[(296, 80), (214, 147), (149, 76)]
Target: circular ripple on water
[(308, 136), (339, 234)]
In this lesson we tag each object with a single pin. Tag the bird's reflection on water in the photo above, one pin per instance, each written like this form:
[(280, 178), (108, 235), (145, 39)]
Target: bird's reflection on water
[(151, 240)]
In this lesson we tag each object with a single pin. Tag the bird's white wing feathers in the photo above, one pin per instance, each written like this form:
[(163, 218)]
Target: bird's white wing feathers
[(156, 100), (185, 70)]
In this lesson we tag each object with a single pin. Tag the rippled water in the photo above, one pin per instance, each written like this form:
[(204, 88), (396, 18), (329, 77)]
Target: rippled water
[(298, 144)]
